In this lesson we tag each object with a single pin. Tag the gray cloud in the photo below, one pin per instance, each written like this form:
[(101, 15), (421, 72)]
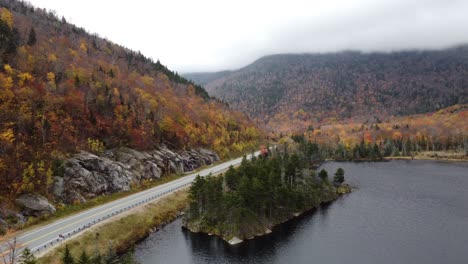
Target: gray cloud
[(209, 35)]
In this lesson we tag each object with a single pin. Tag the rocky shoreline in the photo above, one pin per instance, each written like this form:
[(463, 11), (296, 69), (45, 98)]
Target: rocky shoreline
[(339, 191)]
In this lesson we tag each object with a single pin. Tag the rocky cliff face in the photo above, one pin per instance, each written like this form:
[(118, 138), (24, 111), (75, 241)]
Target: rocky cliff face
[(87, 175)]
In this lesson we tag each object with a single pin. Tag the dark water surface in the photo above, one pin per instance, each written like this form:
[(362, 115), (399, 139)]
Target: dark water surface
[(402, 212)]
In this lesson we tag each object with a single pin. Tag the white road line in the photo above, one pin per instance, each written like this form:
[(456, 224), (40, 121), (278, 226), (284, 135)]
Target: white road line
[(136, 199)]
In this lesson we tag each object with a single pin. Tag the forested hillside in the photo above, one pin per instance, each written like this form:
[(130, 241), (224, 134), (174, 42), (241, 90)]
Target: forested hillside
[(63, 90), (445, 130), (290, 92)]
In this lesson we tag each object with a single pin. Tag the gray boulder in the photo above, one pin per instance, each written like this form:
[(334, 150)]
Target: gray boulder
[(87, 175), (35, 205), (212, 156), (73, 197), (152, 171)]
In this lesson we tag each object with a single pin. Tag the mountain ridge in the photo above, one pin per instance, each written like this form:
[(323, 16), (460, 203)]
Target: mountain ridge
[(311, 88)]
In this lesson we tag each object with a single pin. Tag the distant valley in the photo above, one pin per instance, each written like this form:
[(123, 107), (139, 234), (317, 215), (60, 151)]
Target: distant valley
[(291, 92)]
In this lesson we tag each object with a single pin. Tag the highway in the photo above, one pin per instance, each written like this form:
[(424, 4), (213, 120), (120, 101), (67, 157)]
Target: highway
[(41, 239)]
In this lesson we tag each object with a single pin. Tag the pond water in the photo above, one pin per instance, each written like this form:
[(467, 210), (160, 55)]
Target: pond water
[(401, 212)]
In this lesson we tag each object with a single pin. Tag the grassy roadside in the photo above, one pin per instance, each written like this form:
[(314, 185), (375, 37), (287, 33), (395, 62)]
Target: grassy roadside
[(70, 210), (125, 231)]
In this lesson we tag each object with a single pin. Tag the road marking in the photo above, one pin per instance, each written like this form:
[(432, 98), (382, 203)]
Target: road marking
[(183, 181), (45, 235)]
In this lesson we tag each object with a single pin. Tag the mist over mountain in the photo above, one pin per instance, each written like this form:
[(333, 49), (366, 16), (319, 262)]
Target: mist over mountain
[(293, 91)]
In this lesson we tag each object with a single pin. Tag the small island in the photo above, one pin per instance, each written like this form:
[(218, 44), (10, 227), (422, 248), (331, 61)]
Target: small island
[(261, 193)]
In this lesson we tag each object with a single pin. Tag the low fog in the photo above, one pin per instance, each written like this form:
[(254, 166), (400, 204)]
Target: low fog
[(192, 36)]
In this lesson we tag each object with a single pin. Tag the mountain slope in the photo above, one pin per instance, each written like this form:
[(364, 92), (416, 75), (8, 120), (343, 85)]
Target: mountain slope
[(203, 78), (291, 92), (63, 90)]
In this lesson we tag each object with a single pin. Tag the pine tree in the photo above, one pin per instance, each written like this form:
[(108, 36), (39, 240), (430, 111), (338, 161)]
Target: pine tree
[(27, 257), (110, 257), (339, 177), (67, 257), (32, 37), (84, 258), (323, 175), (97, 259)]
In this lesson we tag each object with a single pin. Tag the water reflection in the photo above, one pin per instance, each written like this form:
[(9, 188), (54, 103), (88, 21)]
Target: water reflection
[(402, 212)]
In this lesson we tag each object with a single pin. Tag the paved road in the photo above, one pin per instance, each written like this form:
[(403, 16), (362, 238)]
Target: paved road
[(42, 238)]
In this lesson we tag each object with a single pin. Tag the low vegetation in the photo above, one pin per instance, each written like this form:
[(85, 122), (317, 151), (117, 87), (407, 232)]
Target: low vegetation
[(67, 210), (123, 233)]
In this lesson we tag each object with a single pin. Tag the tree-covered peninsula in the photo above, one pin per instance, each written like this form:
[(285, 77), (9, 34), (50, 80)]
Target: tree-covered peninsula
[(250, 200)]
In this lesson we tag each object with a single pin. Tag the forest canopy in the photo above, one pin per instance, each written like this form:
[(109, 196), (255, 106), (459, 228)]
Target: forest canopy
[(64, 90)]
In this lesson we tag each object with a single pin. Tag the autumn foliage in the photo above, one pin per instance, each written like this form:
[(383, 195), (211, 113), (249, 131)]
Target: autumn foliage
[(446, 129), (289, 92), (62, 90)]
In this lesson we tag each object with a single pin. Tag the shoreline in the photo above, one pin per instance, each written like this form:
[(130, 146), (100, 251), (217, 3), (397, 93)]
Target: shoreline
[(389, 158), (124, 246), (426, 158), (340, 192)]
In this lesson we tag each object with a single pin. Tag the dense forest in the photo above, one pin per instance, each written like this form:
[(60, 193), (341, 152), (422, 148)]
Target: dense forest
[(260, 193), (63, 90), (292, 91), (444, 130)]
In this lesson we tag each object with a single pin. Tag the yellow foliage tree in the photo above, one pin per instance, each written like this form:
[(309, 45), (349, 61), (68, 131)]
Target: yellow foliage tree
[(7, 136), (50, 77), (6, 93), (23, 77), (83, 47), (52, 58), (8, 69), (26, 182), (96, 146), (51, 80), (6, 16)]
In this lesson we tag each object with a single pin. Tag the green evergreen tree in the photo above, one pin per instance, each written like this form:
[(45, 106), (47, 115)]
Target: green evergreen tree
[(32, 37), (376, 151), (97, 259), (9, 41), (111, 256), (27, 257), (84, 258), (323, 175), (67, 257), (231, 178), (339, 177)]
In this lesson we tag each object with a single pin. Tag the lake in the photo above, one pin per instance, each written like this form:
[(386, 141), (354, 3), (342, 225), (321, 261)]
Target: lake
[(401, 212)]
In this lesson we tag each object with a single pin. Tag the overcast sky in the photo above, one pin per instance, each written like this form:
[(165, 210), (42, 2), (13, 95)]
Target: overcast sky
[(209, 35)]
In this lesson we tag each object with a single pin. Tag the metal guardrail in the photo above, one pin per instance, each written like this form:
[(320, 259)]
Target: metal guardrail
[(58, 240)]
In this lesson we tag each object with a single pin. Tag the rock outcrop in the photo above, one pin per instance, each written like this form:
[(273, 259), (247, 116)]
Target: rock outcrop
[(87, 175), (35, 205)]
